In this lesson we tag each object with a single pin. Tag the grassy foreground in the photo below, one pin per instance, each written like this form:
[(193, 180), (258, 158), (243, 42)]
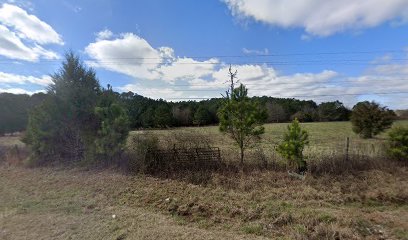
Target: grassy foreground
[(49, 203)]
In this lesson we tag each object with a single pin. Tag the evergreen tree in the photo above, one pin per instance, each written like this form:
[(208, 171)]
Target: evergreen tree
[(333, 111), (369, 119), (77, 120), (293, 144), (67, 118), (114, 125), (163, 116), (241, 117), (398, 143), (202, 116)]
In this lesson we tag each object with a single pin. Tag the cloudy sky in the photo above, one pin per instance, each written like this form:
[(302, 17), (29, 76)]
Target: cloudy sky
[(309, 49)]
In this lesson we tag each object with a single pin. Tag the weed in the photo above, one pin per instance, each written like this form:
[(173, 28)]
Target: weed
[(253, 228), (401, 234)]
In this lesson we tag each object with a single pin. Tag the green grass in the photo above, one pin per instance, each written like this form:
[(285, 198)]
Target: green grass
[(325, 138), (255, 229)]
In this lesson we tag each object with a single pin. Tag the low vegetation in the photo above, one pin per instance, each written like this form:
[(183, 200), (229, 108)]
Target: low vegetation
[(270, 204), (292, 146), (398, 143)]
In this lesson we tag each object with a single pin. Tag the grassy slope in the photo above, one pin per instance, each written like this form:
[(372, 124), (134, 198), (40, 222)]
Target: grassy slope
[(74, 204), (47, 203)]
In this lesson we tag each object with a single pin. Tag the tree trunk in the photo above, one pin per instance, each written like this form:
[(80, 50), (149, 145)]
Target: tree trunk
[(242, 157)]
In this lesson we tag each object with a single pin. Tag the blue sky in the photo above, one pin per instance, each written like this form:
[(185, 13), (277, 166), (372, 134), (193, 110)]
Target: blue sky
[(311, 49)]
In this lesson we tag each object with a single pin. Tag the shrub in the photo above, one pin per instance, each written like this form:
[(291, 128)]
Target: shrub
[(139, 147), (370, 119), (294, 142), (398, 143)]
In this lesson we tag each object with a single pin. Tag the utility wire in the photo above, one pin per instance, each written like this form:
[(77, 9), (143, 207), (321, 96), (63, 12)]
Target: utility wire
[(290, 83), (308, 96), (230, 56), (248, 55)]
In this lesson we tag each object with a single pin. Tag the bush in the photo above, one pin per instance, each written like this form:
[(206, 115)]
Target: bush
[(139, 147), (294, 142), (370, 119), (398, 143)]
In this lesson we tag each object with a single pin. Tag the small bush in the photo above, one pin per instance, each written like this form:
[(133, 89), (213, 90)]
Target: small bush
[(139, 146), (253, 229), (398, 143), (294, 142)]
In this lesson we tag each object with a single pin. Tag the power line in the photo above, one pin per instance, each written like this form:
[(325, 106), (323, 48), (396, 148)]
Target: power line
[(272, 64), (308, 96), (290, 83), (233, 56)]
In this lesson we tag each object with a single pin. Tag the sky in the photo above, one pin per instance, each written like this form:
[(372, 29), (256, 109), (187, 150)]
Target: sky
[(322, 50)]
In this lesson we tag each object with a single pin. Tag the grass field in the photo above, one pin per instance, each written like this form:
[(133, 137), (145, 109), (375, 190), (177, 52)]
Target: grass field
[(325, 138), (62, 203)]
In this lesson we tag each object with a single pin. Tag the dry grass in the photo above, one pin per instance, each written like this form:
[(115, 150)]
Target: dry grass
[(326, 139), (49, 203)]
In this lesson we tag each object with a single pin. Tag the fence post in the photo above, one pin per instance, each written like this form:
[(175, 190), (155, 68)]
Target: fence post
[(347, 148)]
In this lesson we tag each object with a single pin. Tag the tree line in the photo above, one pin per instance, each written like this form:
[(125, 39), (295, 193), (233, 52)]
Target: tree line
[(145, 112), (14, 110)]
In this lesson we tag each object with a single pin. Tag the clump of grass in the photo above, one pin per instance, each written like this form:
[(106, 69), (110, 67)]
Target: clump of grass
[(13, 155), (253, 228), (401, 234)]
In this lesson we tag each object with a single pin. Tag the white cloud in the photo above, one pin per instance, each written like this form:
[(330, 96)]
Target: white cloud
[(321, 17), (134, 56), (156, 93), (10, 78), (265, 51), (186, 69), (22, 35), (104, 34), (11, 46), (129, 54), (28, 26), (19, 91)]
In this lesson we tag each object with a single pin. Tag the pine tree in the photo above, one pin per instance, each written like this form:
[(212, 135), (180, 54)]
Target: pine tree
[(241, 117), (114, 125), (293, 144)]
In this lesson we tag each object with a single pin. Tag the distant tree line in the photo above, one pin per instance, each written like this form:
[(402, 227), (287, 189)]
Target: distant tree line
[(14, 110), (145, 112)]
